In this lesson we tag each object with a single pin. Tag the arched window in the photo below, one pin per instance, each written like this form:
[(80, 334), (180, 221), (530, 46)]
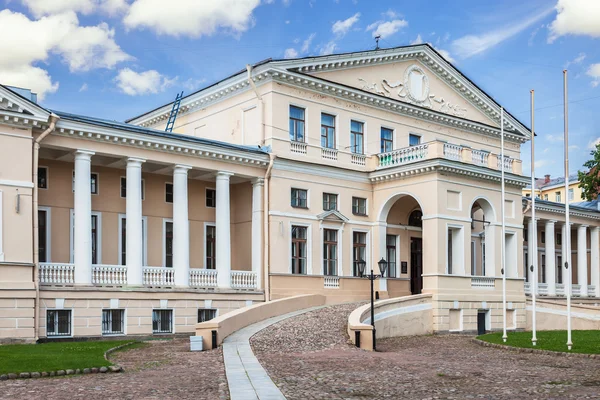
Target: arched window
[(415, 219)]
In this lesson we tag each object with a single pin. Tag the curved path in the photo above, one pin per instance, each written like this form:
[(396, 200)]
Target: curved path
[(246, 378)]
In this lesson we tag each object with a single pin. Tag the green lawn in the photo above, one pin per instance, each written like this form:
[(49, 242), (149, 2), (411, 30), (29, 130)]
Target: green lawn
[(587, 342), (55, 356)]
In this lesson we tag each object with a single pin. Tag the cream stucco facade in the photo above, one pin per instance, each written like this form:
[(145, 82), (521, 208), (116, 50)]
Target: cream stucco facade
[(316, 164)]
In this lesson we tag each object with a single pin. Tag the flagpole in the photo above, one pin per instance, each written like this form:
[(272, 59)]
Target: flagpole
[(503, 240), (568, 284), (533, 244)]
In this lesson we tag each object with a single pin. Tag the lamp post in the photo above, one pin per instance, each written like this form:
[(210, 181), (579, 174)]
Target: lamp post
[(383, 266)]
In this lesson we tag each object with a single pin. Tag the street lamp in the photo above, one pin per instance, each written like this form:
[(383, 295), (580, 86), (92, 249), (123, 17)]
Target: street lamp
[(383, 266)]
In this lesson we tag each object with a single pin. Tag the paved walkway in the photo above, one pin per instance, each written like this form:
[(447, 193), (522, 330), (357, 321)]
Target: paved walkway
[(246, 378)]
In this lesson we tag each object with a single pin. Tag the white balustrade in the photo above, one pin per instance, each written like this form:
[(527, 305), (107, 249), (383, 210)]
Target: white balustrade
[(57, 273), (479, 157), (508, 162), (527, 288), (576, 290), (403, 156), (359, 159), (560, 289), (483, 282), (203, 278), (329, 154), (542, 289), (331, 282), (452, 152), (298, 147), (243, 280), (109, 274), (592, 291), (158, 276)]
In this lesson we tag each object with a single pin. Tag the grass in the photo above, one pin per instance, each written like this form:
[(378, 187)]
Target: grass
[(55, 356), (586, 342)]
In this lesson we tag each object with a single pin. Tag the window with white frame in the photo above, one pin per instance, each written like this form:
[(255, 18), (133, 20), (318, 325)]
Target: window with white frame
[(327, 131), (473, 258), (43, 236), (58, 323), (299, 249), (206, 314), (211, 198), (168, 244), (387, 140), (571, 194), (359, 251), (96, 235), (168, 192), (357, 137), (414, 140), (359, 206), (330, 252), (391, 254), (211, 247), (94, 182), (162, 321), (454, 260), (113, 322), (297, 124), (557, 196), (123, 239), (124, 187), (299, 198), (330, 201)]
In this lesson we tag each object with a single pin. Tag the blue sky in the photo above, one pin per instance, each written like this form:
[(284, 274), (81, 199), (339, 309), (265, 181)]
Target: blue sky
[(118, 58)]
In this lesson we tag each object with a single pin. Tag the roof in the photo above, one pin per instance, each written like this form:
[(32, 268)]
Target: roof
[(540, 183), (153, 132), (593, 205), (586, 206)]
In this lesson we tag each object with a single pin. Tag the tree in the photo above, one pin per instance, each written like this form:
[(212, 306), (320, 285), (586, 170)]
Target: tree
[(590, 181)]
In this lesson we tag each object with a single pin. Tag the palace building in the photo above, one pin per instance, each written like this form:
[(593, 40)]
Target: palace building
[(276, 181)]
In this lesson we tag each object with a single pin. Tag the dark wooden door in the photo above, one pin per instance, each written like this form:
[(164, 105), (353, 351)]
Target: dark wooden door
[(416, 265)]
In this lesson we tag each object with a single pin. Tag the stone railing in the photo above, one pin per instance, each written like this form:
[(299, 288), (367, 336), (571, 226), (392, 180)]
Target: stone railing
[(403, 156), (483, 282), (331, 282), (359, 159), (479, 157), (109, 274), (243, 280), (576, 290), (452, 152), (542, 289), (203, 278), (560, 289), (592, 291), (329, 154), (158, 276), (508, 163), (57, 273), (298, 147), (527, 287)]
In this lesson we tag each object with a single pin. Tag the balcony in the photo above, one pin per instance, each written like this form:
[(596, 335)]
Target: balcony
[(542, 290)]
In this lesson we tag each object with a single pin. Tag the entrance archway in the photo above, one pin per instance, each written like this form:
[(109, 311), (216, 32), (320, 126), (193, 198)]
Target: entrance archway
[(483, 219)]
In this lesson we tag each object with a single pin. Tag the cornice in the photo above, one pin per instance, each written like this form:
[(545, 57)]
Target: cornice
[(301, 167), (166, 145), (19, 120), (559, 208)]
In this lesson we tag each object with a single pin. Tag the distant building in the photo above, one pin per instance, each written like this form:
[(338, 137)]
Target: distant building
[(554, 189)]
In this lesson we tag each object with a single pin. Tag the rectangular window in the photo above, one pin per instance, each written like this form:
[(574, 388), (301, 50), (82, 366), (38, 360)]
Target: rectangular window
[(299, 234), (359, 250), (359, 206), (357, 137), (543, 237), (414, 140), (113, 322), (559, 269), (95, 249), (299, 198), (94, 182), (473, 258), (390, 254), (211, 236), (329, 201), (206, 314), (58, 323), (168, 244), (546, 196), (557, 195), (297, 124), (387, 140), (543, 268), (526, 274), (559, 239), (450, 251), (571, 195), (525, 234), (42, 177), (162, 321), (330, 252), (168, 192), (124, 187), (327, 131), (211, 198), (123, 260), (42, 235)]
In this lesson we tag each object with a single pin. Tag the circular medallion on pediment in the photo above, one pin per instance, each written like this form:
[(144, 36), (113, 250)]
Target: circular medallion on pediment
[(416, 84)]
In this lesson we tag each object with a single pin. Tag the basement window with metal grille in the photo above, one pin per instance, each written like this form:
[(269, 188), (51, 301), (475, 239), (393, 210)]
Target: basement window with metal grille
[(206, 314), (162, 321), (113, 322), (58, 323)]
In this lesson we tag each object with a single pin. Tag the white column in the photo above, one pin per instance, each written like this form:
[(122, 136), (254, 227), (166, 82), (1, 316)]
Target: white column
[(531, 249), (133, 226), (82, 243), (257, 231), (565, 257), (550, 258), (223, 231), (595, 258), (181, 226), (582, 273)]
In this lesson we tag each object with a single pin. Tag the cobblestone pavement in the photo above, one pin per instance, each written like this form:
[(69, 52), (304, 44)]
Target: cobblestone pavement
[(159, 370), (308, 358)]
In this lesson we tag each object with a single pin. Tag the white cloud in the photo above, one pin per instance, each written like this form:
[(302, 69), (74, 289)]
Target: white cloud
[(81, 47), (340, 28), (594, 72), (306, 44), (391, 14), (50, 7), (386, 28), (418, 40), (290, 53), (328, 48), (192, 84), (471, 45), (575, 17), (576, 60), (83, 87), (191, 17), (554, 138), (593, 143), (541, 163), (141, 83)]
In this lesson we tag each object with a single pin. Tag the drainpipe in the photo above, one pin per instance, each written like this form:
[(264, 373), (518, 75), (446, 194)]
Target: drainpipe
[(267, 233), (36, 255), (261, 104)]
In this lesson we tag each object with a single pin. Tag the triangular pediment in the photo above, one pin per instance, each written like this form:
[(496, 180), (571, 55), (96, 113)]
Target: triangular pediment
[(332, 216), (416, 75), (14, 105)]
